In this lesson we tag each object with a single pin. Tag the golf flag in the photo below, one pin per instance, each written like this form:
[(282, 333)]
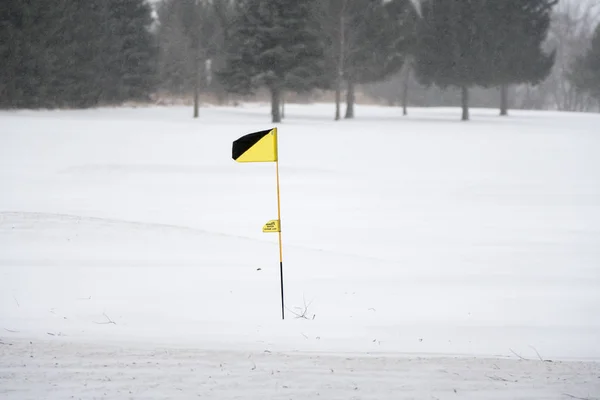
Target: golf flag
[(262, 147), (256, 147)]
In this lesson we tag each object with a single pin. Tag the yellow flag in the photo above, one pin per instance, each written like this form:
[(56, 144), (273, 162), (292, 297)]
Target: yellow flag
[(256, 147)]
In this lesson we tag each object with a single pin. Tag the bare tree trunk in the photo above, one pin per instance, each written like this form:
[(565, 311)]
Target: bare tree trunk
[(282, 106), (275, 100), (338, 98), (221, 97), (503, 100), (197, 86), (465, 103), (350, 99), (340, 70), (405, 88)]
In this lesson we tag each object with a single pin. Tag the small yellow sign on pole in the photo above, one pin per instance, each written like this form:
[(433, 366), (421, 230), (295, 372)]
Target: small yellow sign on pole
[(272, 226)]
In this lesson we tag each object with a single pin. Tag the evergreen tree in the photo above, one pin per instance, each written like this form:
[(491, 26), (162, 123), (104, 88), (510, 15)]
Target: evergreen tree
[(515, 31), (74, 53), (366, 42), (130, 50), (407, 17), (276, 44), (79, 55), (333, 29), (586, 71), (451, 45), (26, 52), (381, 32), (175, 59), (191, 34)]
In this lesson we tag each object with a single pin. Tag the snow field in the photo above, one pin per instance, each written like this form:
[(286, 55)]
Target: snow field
[(418, 240)]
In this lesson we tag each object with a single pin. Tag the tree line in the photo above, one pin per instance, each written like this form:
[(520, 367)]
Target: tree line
[(86, 53)]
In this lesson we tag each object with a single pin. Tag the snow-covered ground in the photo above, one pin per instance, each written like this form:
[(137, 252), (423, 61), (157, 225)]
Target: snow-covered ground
[(431, 255)]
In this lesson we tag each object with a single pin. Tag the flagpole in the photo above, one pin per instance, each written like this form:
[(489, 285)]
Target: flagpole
[(262, 147), (280, 248)]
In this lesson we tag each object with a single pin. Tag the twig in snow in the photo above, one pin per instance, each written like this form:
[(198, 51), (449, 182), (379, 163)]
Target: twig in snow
[(17, 301), (497, 378), (52, 311), (10, 330), (109, 321), (303, 312), (539, 356), (521, 357), (575, 397)]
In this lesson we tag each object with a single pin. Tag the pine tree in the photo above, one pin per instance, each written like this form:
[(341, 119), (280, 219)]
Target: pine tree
[(377, 48), (407, 16), (79, 55), (74, 53), (450, 46), (366, 42), (586, 71), (175, 61), (191, 34), (515, 32), (13, 26), (332, 18), (276, 44), (26, 52), (130, 50)]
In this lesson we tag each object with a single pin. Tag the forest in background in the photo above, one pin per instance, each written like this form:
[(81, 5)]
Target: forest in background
[(525, 54)]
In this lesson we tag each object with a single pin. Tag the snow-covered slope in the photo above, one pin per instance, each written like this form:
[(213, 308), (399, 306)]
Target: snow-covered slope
[(404, 237)]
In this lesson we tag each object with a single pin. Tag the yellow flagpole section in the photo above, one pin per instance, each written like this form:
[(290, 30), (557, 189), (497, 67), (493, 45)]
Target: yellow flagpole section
[(279, 212), (279, 232)]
